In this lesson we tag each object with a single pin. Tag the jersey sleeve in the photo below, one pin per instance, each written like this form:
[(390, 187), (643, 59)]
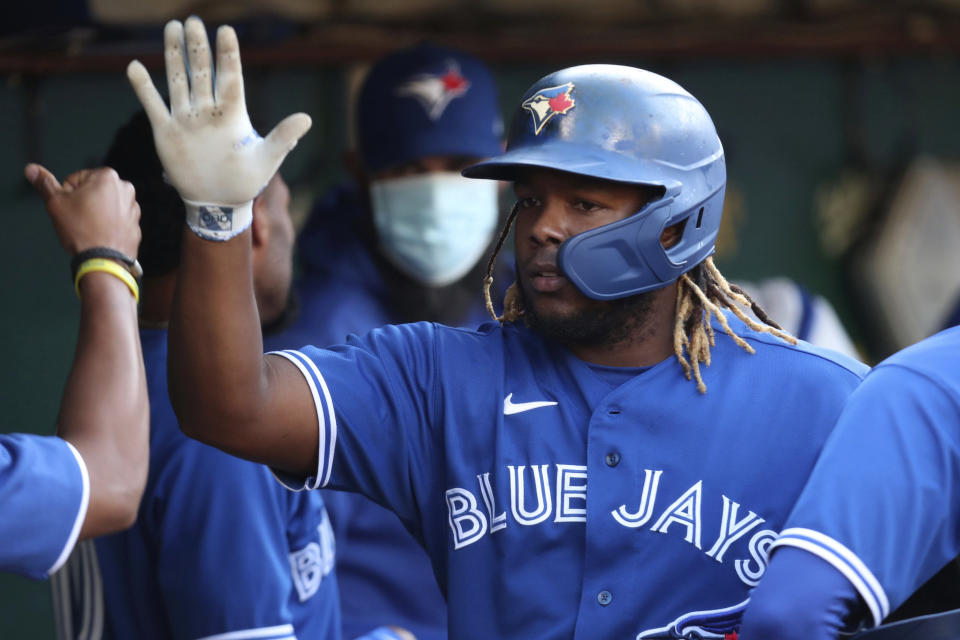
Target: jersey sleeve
[(227, 556), (878, 504), (44, 493), (799, 598), (375, 400)]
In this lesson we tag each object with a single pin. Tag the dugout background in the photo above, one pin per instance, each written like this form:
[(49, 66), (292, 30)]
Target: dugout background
[(799, 98)]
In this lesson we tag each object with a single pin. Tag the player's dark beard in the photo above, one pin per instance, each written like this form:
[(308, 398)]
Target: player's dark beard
[(599, 324)]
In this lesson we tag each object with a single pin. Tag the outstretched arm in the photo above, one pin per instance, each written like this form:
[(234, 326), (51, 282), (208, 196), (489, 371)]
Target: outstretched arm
[(104, 412), (224, 391)]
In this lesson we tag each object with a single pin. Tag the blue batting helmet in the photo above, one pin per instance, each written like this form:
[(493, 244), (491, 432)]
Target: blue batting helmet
[(626, 125)]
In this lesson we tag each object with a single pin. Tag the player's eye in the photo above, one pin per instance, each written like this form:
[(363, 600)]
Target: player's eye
[(527, 203), (586, 205)]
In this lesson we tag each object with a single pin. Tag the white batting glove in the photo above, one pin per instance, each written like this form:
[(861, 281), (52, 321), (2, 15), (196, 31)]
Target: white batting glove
[(210, 152)]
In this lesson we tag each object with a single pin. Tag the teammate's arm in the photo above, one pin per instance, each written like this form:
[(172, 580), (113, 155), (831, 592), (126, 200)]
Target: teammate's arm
[(877, 506), (800, 597), (224, 391), (104, 411)]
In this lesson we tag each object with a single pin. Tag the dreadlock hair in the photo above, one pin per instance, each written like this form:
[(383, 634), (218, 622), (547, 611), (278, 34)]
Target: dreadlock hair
[(702, 293)]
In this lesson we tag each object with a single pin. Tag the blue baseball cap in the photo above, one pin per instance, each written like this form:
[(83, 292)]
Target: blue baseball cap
[(427, 100)]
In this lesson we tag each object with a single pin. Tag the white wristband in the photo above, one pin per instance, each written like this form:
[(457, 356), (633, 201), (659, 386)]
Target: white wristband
[(218, 222)]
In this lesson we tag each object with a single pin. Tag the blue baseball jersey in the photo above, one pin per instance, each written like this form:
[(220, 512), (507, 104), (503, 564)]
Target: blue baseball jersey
[(881, 503), (556, 501), (44, 492), (219, 548)]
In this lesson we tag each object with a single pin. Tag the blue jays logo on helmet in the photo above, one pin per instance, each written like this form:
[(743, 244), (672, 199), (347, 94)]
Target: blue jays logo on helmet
[(435, 91), (701, 625), (549, 102)]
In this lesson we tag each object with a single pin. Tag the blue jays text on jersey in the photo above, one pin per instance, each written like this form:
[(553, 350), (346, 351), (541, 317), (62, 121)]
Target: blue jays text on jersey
[(44, 493), (469, 523), (881, 504), (607, 509)]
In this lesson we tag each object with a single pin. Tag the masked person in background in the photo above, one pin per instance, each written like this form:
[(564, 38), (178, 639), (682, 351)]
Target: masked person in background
[(407, 240)]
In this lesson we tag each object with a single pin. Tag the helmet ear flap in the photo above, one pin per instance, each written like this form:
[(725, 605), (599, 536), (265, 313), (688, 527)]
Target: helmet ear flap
[(629, 256), (700, 229), (621, 258)]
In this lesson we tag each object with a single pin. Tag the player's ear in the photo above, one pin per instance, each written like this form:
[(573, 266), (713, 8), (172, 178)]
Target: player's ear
[(672, 234)]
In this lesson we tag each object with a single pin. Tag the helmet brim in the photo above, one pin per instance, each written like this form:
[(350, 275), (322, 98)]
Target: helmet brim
[(571, 158)]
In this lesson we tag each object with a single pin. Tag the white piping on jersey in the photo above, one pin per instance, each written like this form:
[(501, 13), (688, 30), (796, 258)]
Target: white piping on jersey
[(331, 417), (510, 407), (844, 561), (85, 606), (326, 418), (285, 632), (81, 512)]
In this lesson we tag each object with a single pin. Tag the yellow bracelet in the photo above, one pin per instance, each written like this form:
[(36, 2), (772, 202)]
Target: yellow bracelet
[(111, 267)]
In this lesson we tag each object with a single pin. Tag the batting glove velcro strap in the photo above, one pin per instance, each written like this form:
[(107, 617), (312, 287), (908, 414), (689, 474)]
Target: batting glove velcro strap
[(218, 222)]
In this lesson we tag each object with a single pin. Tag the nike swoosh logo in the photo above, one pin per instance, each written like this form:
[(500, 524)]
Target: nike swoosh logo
[(510, 407)]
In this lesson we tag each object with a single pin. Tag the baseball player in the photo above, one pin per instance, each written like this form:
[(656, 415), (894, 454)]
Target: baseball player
[(406, 239), (87, 480), (879, 514), (219, 546), (576, 471)]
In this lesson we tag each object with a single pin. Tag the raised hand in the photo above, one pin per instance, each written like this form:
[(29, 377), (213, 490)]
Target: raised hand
[(209, 150), (92, 208)]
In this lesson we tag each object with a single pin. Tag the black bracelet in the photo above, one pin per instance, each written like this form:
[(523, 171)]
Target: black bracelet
[(105, 252)]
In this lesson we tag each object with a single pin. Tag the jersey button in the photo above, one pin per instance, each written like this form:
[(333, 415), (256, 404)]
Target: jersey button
[(613, 411), (604, 598), (613, 459)]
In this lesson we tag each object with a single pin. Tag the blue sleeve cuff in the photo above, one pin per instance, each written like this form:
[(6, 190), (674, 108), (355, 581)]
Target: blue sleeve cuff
[(800, 597), (843, 560), (326, 423), (81, 512)]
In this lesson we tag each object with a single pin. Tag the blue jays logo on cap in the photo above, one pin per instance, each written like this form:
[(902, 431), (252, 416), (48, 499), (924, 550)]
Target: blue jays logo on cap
[(701, 625), (434, 91), (549, 102)]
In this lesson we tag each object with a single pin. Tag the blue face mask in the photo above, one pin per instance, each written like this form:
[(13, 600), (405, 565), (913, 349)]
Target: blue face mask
[(434, 226)]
